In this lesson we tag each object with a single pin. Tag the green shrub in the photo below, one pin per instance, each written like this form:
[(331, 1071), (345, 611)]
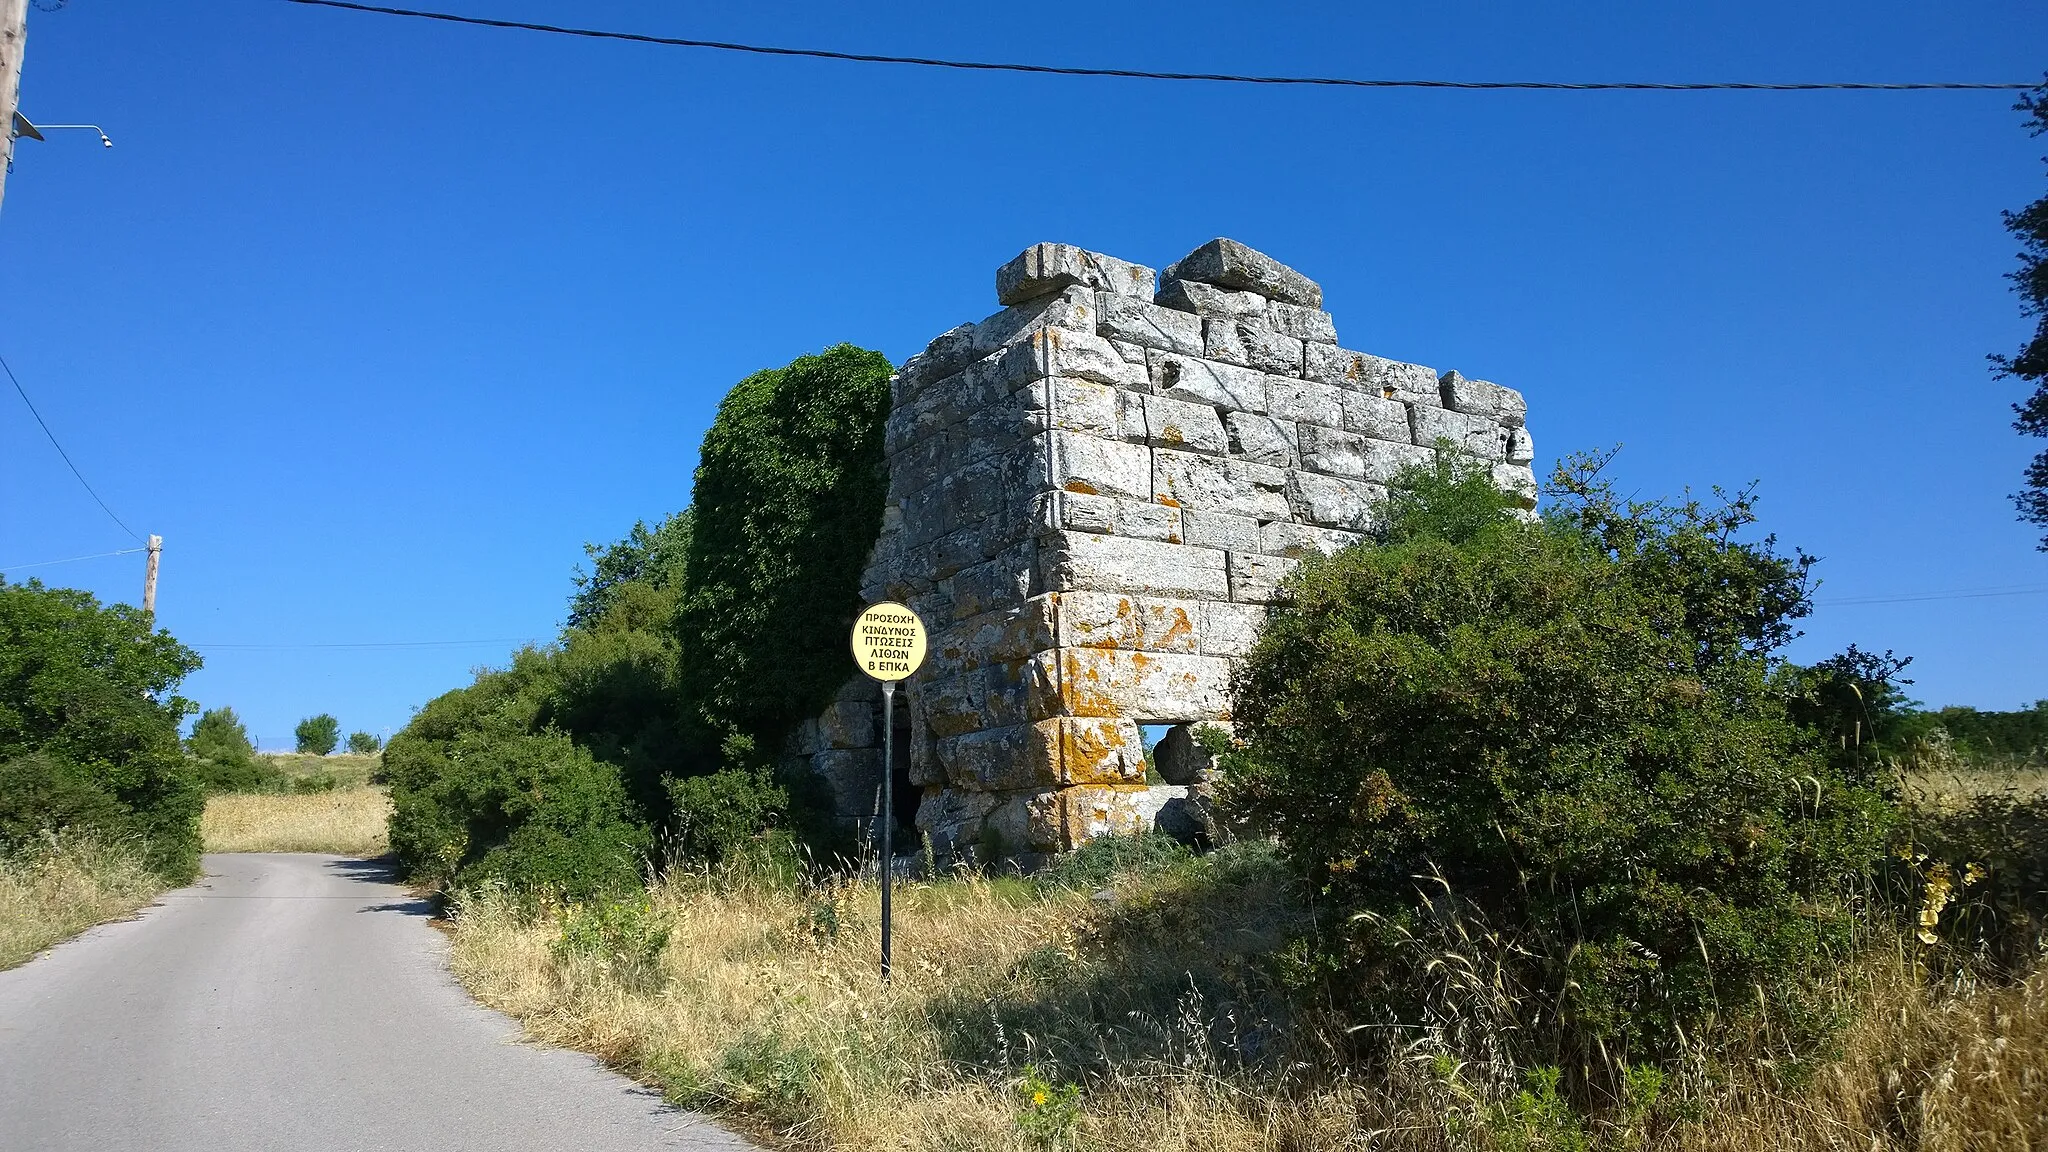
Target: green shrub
[(223, 759), (786, 507), (623, 935), (317, 735), (89, 717), (1568, 734), (363, 743), (1097, 862), (655, 561), (717, 816)]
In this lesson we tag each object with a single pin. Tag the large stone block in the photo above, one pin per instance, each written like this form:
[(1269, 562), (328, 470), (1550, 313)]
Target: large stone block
[(1333, 501), (1117, 516), (1103, 811), (953, 817), (1007, 635), (1209, 300), (1229, 264), (1250, 344), (993, 585), (1390, 379), (1081, 560), (1031, 821), (1371, 415), (849, 724), (1483, 398), (1207, 382), (1521, 446), (1384, 459), (1475, 435), (1255, 579), (1179, 424), (1300, 541), (1094, 750), (1072, 309), (1304, 400), (1209, 484), (1093, 465), (1312, 325), (948, 352), (999, 759), (1332, 451), (1181, 759), (993, 695), (1148, 325), (1046, 268), (1230, 629), (1146, 687), (1518, 481), (1122, 620), (854, 778), (1261, 439), (1055, 352), (1083, 406), (1220, 530)]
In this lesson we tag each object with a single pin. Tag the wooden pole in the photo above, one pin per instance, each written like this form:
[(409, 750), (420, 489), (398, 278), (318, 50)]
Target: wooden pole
[(13, 45), (156, 547)]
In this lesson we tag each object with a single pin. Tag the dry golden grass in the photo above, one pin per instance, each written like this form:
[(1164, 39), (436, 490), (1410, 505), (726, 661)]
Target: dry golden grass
[(350, 822), (71, 884), (764, 1007), (348, 769)]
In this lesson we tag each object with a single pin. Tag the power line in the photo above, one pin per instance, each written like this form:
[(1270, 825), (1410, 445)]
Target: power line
[(1136, 74), (367, 645), (66, 455), (73, 559)]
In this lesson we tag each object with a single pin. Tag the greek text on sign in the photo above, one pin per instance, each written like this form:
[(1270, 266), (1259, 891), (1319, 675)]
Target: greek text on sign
[(888, 641)]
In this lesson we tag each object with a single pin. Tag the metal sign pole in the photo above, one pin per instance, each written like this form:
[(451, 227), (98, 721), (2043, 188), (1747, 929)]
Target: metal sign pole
[(888, 815)]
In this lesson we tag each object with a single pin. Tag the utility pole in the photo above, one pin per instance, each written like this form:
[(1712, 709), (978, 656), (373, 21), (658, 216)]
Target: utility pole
[(156, 547), (13, 44)]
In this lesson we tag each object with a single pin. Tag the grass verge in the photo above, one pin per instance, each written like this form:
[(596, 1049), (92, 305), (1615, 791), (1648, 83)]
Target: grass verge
[(64, 886), (349, 821), (1158, 1015)]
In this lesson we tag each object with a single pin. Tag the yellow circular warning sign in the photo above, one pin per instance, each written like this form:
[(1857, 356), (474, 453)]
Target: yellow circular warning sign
[(888, 641)]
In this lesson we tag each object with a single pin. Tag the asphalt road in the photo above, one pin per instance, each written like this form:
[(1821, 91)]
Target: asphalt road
[(293, 1002)]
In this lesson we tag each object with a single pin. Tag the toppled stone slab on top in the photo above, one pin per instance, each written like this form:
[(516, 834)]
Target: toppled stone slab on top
[(1043, 269), (1229, 264), (1209, 300)]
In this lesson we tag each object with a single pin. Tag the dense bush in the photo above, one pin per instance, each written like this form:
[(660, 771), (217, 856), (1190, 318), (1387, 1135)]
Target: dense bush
[(317, 735), (1570, 734), (787, 505), (644, 559), (223, 759), (363, 743), (89, 716)]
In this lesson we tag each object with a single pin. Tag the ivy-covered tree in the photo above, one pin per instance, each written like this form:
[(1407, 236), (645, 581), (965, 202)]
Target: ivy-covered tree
[(2030, 224)]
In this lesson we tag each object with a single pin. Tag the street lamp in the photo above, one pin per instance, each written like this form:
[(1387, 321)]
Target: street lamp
[(35, 132)]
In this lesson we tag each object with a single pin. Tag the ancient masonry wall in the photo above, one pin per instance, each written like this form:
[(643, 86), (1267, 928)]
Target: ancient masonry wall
[(1093, 494)]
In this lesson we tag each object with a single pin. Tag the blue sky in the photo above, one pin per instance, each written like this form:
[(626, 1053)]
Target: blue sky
[(378, 321)]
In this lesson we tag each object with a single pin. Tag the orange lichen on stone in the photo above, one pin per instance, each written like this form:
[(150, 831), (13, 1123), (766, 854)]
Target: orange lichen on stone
[(1083, 487), (1181, 626)]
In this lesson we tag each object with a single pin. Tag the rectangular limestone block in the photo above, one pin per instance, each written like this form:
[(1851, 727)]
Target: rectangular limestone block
[(1311, 325), (1376, 417), (1390, 379), (1300, 541), (948, 352), (1475, 435), (1132, 353), (1147, 687), (1070, 561), (1095, 466), (1117, 516), (999, 759), (1518, 480), (992, 585), (1229, 264), (1094, 750), (1261, 439), (1147, 325), (1521, 446), (1334, 502), (1384, 460), (1250, 344), (1057, 352), (1332, 451), (1123, 620), (1072, 309), (1094, 811), (849, 724), (1006, 635), (1483, 398), (1083, 406), (1212, 484), (1201, 381), (1209, 300), (1181, 425), (1034, 820), (954, 817), (991, 696), (1046, 268), (1308, 401), (854, 778), (1255, 579), (1220, 530), (1230, 629)]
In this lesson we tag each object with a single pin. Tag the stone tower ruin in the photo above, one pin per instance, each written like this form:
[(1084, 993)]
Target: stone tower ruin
[(1093, 495)]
